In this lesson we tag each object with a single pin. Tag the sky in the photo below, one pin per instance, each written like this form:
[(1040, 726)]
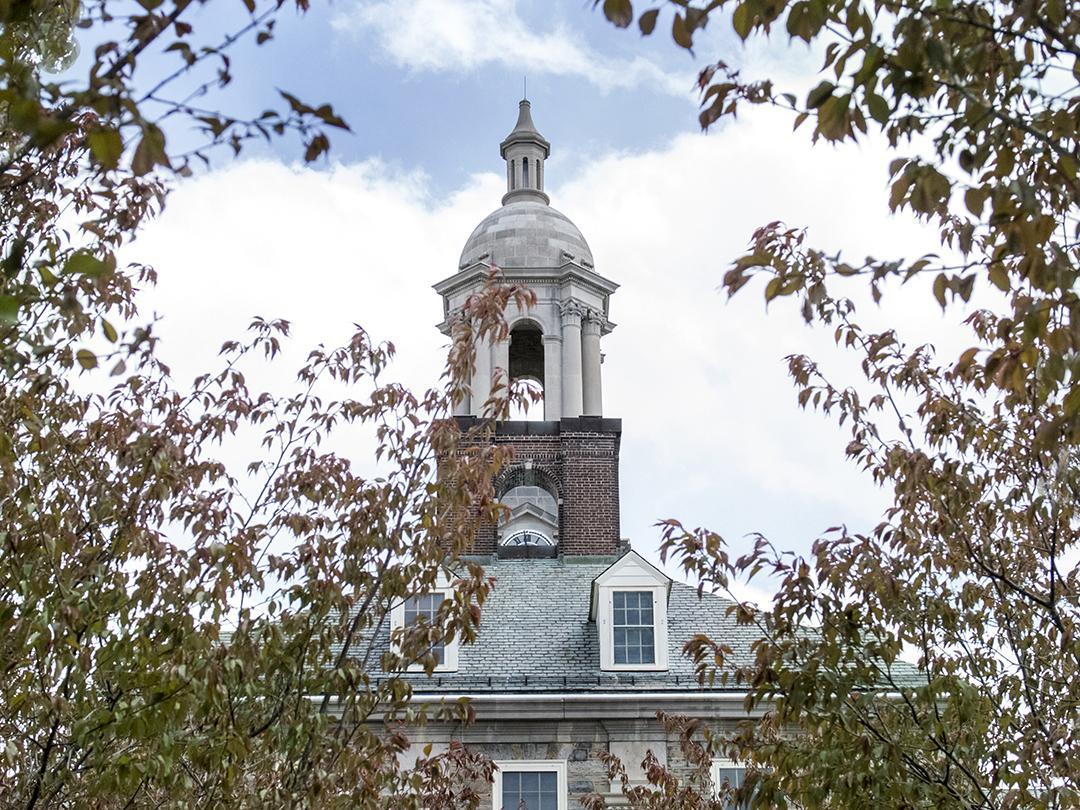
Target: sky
[(712, 433)]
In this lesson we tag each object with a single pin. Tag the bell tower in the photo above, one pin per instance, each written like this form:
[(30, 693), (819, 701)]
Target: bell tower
[(562, 488)]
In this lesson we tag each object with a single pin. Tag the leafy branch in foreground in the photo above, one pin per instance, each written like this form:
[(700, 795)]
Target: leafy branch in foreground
[(180, 631), (972, 570)]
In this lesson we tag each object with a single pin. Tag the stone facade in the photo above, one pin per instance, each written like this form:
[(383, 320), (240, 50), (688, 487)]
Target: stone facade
[(577, 742)]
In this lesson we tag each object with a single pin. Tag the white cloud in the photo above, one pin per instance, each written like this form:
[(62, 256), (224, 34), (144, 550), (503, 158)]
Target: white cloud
[(464, 35), (712, 433)]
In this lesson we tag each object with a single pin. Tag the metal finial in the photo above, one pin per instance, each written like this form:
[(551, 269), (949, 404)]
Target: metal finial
[(524, 88)]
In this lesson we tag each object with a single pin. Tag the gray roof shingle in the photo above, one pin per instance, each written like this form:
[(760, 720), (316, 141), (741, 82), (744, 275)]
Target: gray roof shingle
[(535, 636)]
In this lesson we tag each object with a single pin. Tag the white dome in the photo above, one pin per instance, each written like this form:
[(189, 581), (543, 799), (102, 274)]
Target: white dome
[(526, 234)]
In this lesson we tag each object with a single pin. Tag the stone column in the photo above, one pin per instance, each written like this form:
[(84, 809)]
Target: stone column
[(501, 363), (463, 406), (481, 379), (571, 360), (552, 377), (590, 365)]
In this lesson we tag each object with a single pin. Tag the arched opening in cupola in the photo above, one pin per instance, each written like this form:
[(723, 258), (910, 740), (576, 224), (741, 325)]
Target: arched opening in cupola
[(527, 368), (529, 525)]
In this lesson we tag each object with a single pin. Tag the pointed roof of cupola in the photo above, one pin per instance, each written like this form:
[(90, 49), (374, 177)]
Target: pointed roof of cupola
[(525, 131)]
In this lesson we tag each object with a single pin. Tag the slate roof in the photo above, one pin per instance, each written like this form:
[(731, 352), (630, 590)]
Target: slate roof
[(535, 635)]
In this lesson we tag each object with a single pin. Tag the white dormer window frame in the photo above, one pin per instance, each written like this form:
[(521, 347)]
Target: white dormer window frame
[(450, 648), (631, 575)]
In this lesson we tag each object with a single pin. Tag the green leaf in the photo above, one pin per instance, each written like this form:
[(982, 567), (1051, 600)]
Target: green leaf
[(619, 12), (878, 107), (940, 285), (999, 276), (743, 20), (83, 263), (647, 21), (773, 288), (109, 330), (819, 95), (106, 146), (150, 152), (87, 359), (9, 309), (1067, 163), (975, 199), (1072, 401), (680, 33), (13, 262)]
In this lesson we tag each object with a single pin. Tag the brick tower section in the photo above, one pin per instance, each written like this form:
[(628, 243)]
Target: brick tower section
[(577, 458)]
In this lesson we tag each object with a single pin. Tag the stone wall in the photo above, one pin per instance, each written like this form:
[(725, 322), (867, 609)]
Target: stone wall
[(577, 743)]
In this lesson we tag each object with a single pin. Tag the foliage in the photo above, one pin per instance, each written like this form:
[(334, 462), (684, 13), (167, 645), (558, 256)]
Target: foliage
[(973, 567), (176, 630), (83, 161)]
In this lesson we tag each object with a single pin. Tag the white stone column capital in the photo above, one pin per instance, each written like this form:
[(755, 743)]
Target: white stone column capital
[(572, 313), (592, 323)]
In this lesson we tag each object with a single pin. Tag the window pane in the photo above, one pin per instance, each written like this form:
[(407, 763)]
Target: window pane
[(733, 776), (530, 790), (425, 606), (633, 636), (648, 647)]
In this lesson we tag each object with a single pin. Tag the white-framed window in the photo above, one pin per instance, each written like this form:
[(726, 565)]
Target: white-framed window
[(633, 627), (629, 606), (726, 772), (529, 784), (424, 607)]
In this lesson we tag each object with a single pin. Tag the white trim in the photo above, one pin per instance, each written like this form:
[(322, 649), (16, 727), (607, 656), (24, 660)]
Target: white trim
[(606, 629), (450, 647), (558, 766), (714, 774), (642, 572), (630, 573)]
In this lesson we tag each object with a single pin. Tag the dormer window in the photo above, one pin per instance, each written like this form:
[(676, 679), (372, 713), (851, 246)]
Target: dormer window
[(629, 606), (423, 609), (633, 631)]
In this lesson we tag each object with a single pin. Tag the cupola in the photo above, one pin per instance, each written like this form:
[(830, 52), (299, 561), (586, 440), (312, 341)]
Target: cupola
[(561, 489), (524, 151), (555, 345)]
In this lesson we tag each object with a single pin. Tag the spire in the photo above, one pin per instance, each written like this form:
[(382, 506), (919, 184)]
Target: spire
[(525, 151)]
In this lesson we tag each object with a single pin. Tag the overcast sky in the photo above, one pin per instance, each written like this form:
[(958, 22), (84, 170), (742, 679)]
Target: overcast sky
[(711, 430)]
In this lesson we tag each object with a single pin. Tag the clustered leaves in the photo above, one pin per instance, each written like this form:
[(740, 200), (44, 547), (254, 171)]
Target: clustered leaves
[(177, 630), (85, 160), (972, 570)]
